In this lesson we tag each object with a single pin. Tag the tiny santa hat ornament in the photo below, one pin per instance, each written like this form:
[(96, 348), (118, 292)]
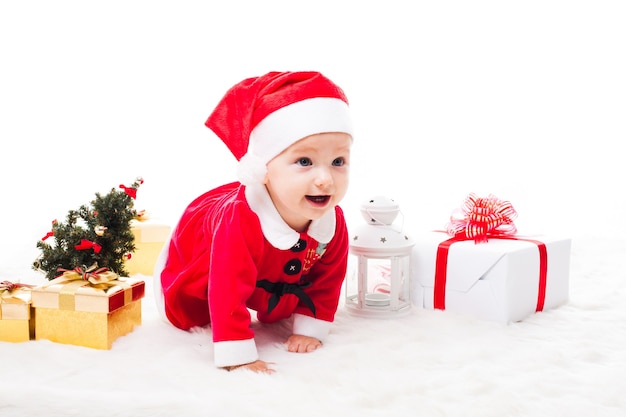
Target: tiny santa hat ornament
[(260, 117)]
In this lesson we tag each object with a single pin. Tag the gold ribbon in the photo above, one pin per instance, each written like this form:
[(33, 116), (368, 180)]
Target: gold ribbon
[(9, 290), (98, 278)]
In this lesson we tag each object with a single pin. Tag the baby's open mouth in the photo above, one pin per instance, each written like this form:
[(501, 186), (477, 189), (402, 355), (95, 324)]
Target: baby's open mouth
[(318, 199)]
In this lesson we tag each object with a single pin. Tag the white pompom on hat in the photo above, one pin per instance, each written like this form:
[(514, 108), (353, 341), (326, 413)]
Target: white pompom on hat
[(260, 117)]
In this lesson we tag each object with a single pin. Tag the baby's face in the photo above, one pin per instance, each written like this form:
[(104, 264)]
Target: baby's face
[(309, 178)]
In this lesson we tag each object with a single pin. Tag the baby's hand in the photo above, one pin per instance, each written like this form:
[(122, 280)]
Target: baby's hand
[(257, 366), (302, 344)]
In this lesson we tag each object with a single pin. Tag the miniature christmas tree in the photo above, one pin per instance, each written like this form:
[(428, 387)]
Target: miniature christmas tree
[(96, 234)]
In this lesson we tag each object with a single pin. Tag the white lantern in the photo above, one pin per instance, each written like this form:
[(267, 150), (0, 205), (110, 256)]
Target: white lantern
[(378, 284)]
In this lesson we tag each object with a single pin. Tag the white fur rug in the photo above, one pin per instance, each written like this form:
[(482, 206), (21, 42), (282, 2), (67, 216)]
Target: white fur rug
[(565, 362)]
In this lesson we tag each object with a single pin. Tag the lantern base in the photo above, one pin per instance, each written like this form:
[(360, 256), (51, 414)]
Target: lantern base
[(375, 311)]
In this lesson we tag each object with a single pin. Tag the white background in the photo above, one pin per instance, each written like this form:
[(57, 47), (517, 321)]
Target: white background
[(525, 100)]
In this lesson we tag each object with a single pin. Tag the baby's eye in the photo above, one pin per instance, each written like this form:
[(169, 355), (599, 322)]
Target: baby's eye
[(338, 162), (305, 162)]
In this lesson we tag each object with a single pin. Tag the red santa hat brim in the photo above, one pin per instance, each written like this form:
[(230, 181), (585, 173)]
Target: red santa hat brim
[(265, 115)]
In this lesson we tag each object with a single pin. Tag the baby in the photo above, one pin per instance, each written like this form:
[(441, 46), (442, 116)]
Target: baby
[(275, 242)]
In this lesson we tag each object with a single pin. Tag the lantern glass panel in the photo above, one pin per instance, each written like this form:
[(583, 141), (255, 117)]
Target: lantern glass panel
[(378, 286)]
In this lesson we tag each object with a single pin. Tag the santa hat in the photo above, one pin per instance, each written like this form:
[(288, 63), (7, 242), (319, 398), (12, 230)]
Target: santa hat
[(260, 117)]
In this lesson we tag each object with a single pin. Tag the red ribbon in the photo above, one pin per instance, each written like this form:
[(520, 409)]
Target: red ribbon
[(480, 219), (87, 244), (441, 268)]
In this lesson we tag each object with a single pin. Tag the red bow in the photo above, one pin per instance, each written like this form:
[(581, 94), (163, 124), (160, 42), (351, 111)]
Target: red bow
[(480, 218), (87, 244), (131, 192)]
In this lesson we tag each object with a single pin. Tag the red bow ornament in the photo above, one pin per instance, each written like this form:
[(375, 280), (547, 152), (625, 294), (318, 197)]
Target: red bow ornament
[(50, 233), (131, 192), (87, 244), (480, 218)]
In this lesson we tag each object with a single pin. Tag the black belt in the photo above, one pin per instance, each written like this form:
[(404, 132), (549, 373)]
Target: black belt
[(278, 289)]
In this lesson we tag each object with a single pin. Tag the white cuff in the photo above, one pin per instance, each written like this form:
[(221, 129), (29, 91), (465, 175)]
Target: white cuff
[(234, 352), (309, 326)]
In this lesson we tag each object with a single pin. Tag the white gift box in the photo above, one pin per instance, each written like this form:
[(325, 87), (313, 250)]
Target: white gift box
[(499, 280)]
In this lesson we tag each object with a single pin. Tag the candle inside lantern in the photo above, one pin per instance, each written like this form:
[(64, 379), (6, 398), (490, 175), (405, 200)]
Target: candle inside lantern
[(377, 299)]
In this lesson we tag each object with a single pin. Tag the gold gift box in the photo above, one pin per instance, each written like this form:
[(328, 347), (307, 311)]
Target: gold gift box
[(150, 236), (17, 322), (87, 316)]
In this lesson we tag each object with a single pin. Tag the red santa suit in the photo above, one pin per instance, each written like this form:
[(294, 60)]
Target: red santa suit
[(232, 251)]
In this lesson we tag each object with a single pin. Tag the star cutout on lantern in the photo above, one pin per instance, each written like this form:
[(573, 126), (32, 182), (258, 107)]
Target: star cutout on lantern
[(383, 239), (356, 237)]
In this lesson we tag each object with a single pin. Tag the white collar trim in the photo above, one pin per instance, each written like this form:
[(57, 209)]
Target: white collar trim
[(275, 230)]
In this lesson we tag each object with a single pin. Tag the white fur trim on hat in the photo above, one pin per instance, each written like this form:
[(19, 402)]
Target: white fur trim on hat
[(251, 169), (298, 120)]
